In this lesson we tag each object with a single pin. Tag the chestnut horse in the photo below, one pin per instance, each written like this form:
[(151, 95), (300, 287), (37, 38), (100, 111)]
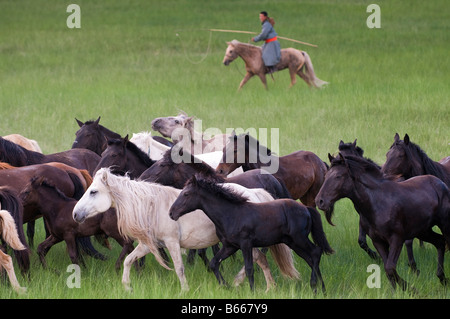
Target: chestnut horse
[(298, 62), (302, 172)]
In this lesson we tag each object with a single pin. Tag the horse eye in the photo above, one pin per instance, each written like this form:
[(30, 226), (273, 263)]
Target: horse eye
[(93, 192), (185, 194), (177, 122)]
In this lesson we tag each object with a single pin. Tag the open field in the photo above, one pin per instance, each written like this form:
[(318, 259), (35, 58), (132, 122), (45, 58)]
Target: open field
[(132, 61)]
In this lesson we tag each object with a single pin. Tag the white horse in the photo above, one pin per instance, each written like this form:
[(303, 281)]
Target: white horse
[(181, 129), (156, 151), (143, 214)]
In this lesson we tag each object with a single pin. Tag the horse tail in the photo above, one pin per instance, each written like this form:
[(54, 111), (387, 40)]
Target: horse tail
[(78, 186), (9, 231), (10, 203), (314, 80), (282, 255), (317, 232)]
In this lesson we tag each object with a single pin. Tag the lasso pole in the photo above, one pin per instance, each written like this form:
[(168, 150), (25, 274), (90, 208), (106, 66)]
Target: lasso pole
[(249, 32)]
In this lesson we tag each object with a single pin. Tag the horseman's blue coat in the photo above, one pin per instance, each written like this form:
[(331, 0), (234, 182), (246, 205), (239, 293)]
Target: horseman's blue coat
[(271, 52)]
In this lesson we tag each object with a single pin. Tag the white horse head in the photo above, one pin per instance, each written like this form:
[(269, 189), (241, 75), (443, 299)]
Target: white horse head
[(148, 145), (97, 198), (166, 125)]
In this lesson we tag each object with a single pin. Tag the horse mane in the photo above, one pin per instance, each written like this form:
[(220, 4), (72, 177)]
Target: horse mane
[(137, 204), (250, 140), (143, 157), (246, 45), (38, 181), (217, 189), (358, 165), (105, 130), (15, 154), (429, 166)]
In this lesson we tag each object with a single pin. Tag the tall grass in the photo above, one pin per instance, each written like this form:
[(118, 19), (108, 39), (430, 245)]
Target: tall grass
[(127, 65)]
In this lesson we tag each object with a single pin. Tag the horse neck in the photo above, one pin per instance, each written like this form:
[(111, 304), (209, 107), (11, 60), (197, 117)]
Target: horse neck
[(52, 205), (217, 209), (246, 52), (426, 166)]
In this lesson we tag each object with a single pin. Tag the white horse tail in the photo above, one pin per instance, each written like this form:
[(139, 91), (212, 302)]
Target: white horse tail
[(314, 80), (9, 231), (283, 257)]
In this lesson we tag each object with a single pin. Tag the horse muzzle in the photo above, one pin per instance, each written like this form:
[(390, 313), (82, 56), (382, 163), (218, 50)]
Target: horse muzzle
[(79, 217), (226, 62)]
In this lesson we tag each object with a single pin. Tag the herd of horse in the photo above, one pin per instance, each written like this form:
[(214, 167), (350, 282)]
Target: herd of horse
[(132, 190)]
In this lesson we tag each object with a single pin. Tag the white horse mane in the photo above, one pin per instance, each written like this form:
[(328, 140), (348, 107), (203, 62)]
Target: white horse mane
[(236, 42), (137, 205)]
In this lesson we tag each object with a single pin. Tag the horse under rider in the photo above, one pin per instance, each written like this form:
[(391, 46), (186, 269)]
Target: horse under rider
[(271, 50)]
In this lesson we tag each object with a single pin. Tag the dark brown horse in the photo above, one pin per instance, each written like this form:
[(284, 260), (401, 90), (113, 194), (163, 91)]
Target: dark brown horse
[(124, 157), (302, 172), (243, 225), (57, 212), (391, 212), (408, 160), (93, 136), (18, 156)]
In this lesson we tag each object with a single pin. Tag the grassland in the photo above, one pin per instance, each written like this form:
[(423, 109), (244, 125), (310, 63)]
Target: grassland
[(127, 65)]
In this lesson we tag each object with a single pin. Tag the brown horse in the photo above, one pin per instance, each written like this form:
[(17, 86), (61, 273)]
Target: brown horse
[(294, 60), (57, 211), (302, 172), (390, 212), (16, 155)]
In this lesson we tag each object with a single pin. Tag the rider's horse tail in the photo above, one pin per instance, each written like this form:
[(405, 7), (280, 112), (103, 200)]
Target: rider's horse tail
[(313, 79)]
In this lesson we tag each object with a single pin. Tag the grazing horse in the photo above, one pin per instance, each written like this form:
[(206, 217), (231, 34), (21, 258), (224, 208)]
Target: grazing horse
[(16, 155), (407, 159), (298, 62), (56, 209), (9, 233), (27, 143), (124, 157), (142, 213), (303, 172), (244, 225), (390, 212), (181, 129)]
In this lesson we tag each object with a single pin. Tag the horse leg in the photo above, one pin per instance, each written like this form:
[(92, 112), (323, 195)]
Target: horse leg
[(262, 76), (259, 258), (247, 77), (44, 247), (6, 262), (222, 254), (175, 252), (411, 261), (293, 76), (439, 242), (140, 251), (362, 241), (73, 251), (390, 264), (248, 262), (305, 77)]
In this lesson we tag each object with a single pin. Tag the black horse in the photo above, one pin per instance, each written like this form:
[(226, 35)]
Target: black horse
[(244, 225), (418, 204)]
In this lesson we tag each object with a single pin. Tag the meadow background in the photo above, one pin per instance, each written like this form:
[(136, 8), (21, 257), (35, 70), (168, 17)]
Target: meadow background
[(132, 61)]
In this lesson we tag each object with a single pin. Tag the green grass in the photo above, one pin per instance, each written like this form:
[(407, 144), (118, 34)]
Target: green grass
[(127, 65)]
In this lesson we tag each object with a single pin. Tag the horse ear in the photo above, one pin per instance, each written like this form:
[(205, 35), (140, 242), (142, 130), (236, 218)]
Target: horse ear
[(406, 139), (97, 120), (126, 139), (330, 157), (354, 143), (341, 142), (396, 137), (80, 124)]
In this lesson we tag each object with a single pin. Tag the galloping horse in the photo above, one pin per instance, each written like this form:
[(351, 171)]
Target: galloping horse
[(303, 172), (292, 59), (142, 213), (390, 212), (244, 225)]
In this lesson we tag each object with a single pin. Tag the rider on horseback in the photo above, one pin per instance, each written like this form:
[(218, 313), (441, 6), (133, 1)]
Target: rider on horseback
[(271, 50)]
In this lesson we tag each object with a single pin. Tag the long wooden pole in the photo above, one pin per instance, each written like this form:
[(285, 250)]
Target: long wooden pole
[(249, 32)]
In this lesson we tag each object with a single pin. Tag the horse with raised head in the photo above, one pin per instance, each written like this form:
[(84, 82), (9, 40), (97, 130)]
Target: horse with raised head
[(298, 62), (417, 205), (407, 159), (302, 172), (181, 129), (142, 213), (244, 225)]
